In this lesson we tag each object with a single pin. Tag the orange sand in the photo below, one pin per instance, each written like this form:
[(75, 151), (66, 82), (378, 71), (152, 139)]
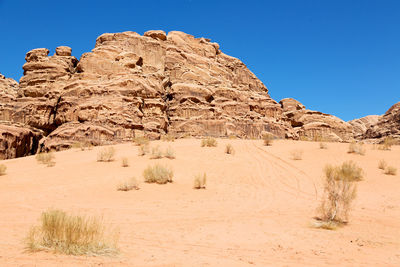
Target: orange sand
[(257, 209)]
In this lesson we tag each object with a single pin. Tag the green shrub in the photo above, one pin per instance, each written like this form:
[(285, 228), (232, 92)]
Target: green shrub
[(158, 174)]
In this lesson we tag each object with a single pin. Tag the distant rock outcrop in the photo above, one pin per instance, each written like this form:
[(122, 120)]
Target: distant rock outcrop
[(313, 124), (361, 125)]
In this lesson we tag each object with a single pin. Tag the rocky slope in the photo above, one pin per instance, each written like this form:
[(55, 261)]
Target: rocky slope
[(361, 125), (153, 84)]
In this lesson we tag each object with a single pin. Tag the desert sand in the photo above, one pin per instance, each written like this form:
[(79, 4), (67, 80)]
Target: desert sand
[(257, 209)]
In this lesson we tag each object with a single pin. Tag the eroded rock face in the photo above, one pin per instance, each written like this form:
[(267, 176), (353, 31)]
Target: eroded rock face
[(387, 125), (17, 140), (314, 124), (361, 125)]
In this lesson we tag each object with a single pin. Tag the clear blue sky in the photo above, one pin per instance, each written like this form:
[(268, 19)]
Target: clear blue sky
[(337, 56)]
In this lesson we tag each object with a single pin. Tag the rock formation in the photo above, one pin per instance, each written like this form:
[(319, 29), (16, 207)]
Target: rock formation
[(314, 124), (361, 125)]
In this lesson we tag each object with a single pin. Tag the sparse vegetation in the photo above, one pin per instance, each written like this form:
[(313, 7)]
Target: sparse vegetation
[(158, 174), (143, 149), (3, 169), (168, 138), (106, 154), (200, 181), (141, 140), (323, 145), (156, 153), (387, 144), (390, 170), (169, 153), (125, 162), (297, 154), (339, 192), (82, 146), (229, 149), (209, 142), (304, 138), (356, 148), (267, 138), (46, 158), (71, 234), (382, 164), (128, 185)]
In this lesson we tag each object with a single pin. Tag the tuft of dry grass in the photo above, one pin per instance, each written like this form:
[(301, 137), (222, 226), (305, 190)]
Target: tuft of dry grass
[(382, 164), (327, 225), (356, 148), (128, 185), (106, 154), (268, 138), (156, 153), (169, 153), (168, 138), (200, 181), (82, 146), (125, 162), (339, 192), (229, 149), (46, 158), (390, 170), (387, 144), (141, 140), (3, 169), (209, 142), (143, 149), (323, 145), (71, 234), (158, 174), (297, 154)]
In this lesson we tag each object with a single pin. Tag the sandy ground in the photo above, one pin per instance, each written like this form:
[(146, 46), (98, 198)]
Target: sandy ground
[(256, 211)]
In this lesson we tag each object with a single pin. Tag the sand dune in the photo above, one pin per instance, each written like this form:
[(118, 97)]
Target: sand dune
[(257, 208)]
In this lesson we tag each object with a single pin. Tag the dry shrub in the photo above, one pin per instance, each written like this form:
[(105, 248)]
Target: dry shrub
[(168, 138), (356, 148), (141, 140), (3, 169), (125, 162), (209, 142), (156, 153), (390, 170), (382, 164), (128, 185), (46, 158), (297, 154), (158, 174), (82, 146), (229, 149), (340, 191), (71, 234), (387, 144), (106, 154), (323, 145), (200, 181), (267, 138), (304, 138), (143, 149), (232, 137), (169, 153)]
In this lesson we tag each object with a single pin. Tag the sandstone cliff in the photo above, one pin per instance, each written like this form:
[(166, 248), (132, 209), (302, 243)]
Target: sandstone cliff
[(361, 125)]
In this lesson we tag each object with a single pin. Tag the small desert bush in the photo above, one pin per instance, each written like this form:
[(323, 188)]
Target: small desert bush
[(3, 169), (71, 234), (323, 145), (128, 185), (209, 142), (106, 154), (356, 148), (390, 170), (168, 138), (382, 164), (229, 149), (387, 144), (143, 149), (297, 154), (200, 181), (46, 158), (156, 153), (141, 140), (82, 146), (339, 192), (169, 153), (350, 171), (125, 162), (268, 138), (158, 174)]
